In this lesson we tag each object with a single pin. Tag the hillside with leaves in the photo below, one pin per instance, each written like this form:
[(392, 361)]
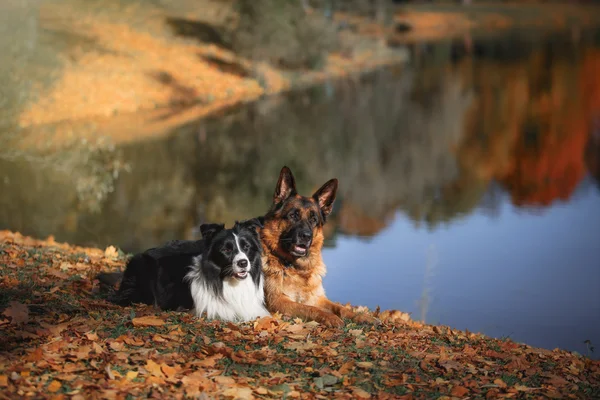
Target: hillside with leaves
[(62, 340)]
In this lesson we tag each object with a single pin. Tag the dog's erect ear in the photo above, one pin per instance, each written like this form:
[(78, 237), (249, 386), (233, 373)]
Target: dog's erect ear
[(286, 186), (325, 196), (210, 230)]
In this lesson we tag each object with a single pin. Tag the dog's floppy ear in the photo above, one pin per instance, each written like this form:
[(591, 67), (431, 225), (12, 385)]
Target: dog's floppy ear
[(286, 186), (325, 196), (251, 224), (210, 230)]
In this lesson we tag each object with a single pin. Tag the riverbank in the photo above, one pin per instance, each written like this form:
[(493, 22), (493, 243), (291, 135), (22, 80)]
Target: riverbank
[(130, 73), (62, 340)]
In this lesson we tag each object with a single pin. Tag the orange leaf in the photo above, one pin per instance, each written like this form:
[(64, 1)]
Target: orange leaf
[(500, 383), (459, 391), (54, 386), (167, 370), (147, 321), (97, 348), (154, 369), (3, 381), (346, 367)]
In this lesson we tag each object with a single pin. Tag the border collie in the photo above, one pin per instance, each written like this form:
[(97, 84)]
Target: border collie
[(220, 274)]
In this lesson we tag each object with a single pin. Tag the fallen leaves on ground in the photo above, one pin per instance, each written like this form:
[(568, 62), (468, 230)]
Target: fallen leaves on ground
[(74, 343)]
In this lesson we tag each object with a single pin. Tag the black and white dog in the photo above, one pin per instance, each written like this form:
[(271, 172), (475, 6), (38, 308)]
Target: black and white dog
[(220, 274)]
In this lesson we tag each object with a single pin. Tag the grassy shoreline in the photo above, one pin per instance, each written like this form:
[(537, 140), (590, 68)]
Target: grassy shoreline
[(62, 340)]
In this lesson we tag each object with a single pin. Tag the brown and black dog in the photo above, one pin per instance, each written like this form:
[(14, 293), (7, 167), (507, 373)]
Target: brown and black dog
[(292, 239)]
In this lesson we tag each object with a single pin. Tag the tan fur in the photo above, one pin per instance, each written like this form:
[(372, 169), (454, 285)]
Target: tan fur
[(297, 289)]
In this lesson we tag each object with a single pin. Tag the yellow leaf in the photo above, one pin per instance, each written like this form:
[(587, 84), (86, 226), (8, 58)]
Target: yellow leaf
[(54, 386), (131, 375), (154, 369), (148, 321), (111, 252)]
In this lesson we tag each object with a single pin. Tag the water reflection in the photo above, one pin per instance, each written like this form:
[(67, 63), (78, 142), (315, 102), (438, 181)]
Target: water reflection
[(437, 162)]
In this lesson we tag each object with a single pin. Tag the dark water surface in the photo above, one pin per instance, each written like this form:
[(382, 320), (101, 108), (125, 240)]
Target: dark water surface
[(470, 184)]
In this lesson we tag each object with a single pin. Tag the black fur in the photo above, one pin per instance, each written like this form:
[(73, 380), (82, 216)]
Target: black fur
[(156, 276)]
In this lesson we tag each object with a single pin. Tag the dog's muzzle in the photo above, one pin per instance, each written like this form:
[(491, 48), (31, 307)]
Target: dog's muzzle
[(241, 269)]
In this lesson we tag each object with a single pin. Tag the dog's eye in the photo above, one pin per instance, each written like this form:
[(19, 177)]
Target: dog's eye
[(246, 246), (294, 215), (227, 250), (314, 221)]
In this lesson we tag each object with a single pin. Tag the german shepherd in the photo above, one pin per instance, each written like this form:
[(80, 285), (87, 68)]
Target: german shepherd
[(292, 239)]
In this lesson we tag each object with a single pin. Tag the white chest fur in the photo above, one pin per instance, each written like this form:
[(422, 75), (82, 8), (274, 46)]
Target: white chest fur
[(241, 300)]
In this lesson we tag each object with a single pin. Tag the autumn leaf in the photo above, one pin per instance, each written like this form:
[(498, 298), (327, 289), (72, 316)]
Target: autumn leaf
[(500, 383), (54, 386), (459, 391), (239, 393), (19, 313), (97, 348), (168, 371), (154, 369), (147, 321), (3, 381), (361, 394), (346, 367), (111, 252), (131, 375)]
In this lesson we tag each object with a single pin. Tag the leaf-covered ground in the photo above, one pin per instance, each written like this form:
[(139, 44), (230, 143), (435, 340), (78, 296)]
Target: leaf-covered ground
[(60, 339)]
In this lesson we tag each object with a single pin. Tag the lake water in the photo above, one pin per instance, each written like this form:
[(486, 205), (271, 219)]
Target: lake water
[(469, 184)]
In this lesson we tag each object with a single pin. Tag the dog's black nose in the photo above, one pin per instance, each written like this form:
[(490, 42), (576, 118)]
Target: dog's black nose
[(242, 263), (305, 235)]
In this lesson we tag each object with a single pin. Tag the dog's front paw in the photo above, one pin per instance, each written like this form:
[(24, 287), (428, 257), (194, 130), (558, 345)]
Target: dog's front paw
[(331, 320), (364, 318)]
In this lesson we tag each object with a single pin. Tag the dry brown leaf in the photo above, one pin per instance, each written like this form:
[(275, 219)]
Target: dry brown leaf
[(459, 391), (346, 367), (355, 332), (147, 321), (500, 383), (18, 312), (3, 381), (97, 348), (91, 336), (360, 393)]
